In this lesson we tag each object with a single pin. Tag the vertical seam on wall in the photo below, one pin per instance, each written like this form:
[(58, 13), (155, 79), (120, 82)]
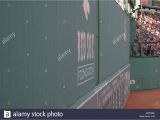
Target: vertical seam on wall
[(98, 38)]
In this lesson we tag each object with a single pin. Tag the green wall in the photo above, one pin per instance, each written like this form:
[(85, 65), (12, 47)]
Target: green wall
[(60, 50), (32, 75), (114, 39), (132, 29), (146, 73)]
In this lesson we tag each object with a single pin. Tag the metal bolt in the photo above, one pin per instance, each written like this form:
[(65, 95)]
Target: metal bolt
[(8, 103), (8, 5), (45, 103), (100, 21), (156, 70), (8, 70), (64, 21), (45, 70), (46, 38), (64, 86), (28, 54), (27, 21), (46, 5), (101, 54), (26, 86)]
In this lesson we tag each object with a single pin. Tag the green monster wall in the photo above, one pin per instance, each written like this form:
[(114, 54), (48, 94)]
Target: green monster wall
[(114, 39), (56, 54)]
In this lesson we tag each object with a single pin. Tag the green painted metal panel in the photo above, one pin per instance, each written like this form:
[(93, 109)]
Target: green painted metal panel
[(39, 66), (132, 29), (49, 51), (145, 72), (114, 38)]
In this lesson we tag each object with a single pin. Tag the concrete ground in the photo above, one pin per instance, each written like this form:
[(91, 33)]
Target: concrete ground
[(149, 99)]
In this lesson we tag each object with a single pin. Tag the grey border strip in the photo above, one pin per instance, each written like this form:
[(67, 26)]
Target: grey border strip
[(101, 87)]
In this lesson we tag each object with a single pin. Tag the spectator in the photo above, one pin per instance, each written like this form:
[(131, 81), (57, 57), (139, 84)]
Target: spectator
[(147, 33)]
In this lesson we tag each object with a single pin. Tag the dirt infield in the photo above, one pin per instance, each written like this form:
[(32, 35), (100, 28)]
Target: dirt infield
[(149, 99)]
